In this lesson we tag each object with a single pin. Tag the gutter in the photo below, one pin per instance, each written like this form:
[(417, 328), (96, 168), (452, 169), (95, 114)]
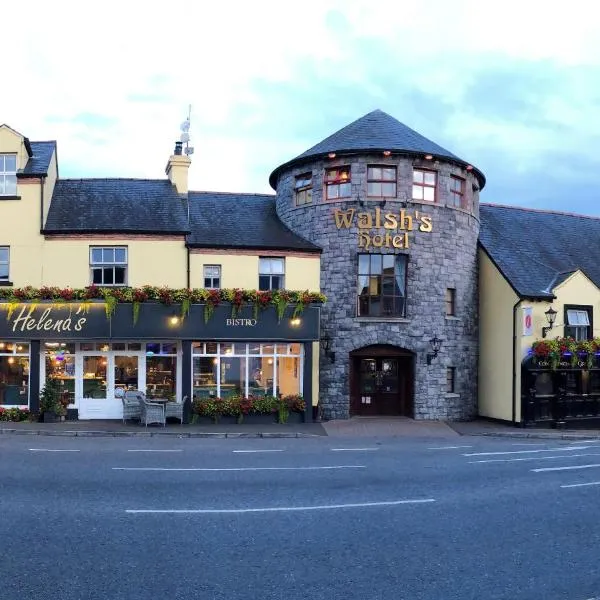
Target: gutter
[(42, 182)]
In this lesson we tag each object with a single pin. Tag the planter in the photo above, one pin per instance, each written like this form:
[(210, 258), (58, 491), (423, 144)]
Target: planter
[(226, 420), (296, 417), (72, 414), (50, 417), (202, 420), (260, 419)]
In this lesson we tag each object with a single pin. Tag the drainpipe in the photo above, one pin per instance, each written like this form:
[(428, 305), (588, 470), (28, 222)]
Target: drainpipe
[(188, 267), (514, 365), (42, 182)]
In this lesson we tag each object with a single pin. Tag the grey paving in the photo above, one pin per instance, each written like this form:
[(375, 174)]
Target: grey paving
[(495, 530)]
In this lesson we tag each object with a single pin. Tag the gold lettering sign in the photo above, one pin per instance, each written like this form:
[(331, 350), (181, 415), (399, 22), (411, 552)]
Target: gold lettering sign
[(25, 321), (383, 230)]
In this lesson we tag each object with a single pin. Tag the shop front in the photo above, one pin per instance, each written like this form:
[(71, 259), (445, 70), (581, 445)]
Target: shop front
[(96, 356)]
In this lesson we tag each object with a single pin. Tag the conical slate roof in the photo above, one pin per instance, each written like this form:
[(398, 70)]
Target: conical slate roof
[(376, 131)]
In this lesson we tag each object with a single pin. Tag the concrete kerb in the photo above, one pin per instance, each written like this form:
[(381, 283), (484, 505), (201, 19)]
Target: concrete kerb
[(199, 434), (537, 435)]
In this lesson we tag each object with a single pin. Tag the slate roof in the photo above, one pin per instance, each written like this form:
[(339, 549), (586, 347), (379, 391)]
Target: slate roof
[(240, 221), (537, 250), (116, 205), (38, 163), (376, 131)]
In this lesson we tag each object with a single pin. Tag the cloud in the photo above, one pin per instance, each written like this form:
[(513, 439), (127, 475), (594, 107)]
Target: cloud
[(512, 87)]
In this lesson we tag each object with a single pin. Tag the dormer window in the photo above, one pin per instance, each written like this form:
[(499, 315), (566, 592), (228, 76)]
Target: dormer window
[(303, 189), (8, 174), (337, 183)]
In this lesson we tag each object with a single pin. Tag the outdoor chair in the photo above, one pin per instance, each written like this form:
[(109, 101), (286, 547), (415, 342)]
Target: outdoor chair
[(175, 409), (153, 413), (132, 407)]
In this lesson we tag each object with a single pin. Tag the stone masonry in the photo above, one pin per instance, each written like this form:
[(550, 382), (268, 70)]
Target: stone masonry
[(445, 257)]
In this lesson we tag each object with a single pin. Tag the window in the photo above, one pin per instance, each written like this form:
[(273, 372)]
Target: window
[(457, 191), (577, 322), (337, 183), (212, 277), (271, 273), (450, 302), (4, 262), (381, 285), (14, 374), (108, 266), (451, 380), (381, 181), (8, 174), (161, 369), (424, 183), (303, 189)]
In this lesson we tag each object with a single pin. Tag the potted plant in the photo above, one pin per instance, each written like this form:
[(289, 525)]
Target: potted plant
[(51, 407)]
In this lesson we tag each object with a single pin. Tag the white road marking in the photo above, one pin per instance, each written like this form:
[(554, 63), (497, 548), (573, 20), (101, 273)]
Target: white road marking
[(353, 449), (563, 449), (448, 447), (570, 468), (154, 450), (239, 468), (526, 444), (497, 460), (572, 485), (221, 511), (254, 451), (50, 450)]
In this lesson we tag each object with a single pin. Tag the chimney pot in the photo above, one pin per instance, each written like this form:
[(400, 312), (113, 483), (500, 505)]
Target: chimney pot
[(178, 148)]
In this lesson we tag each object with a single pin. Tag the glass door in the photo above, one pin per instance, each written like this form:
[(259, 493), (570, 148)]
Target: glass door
[(126, 372)]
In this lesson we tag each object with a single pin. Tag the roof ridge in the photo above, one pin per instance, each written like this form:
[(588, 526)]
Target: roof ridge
[(232, 193), (540, 210), (110, 179), (42, 141)]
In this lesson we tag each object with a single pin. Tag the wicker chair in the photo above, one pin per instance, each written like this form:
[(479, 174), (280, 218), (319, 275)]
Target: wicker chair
[(153, 412), (175, 409), (132, 407)]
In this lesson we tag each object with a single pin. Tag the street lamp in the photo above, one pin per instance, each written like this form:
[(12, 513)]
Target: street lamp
[(436, 345)]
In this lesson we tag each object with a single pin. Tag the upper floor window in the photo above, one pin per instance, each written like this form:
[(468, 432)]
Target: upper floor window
[(271, 273), (424, 184), (212, 277), (457, 191), (4, 262), (451, 380), (382, 285), (108, 265), (8, 174), (381, 181), (578, 322), (303, 189), (337, 183), (450, 302)]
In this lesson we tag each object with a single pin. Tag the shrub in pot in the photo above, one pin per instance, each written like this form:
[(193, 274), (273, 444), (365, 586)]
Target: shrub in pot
[(51, 407)]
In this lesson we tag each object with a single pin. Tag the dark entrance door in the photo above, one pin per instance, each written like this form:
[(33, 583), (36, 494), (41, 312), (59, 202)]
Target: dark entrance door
[(382, 384)]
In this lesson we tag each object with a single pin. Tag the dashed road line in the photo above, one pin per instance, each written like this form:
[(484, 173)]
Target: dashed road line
[(254, 451), (569, 468), (50, 450), (154, 450), (353, 449), (448, 447), (497, 460), (574, 485), (215, 469), (563, 449)]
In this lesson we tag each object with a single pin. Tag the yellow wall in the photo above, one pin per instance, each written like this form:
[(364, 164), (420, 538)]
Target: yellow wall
[(496, 301), (13, 142), (49, 185), (151, 262)]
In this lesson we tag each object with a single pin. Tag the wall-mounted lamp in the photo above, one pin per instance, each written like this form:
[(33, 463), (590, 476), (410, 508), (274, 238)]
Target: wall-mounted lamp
[(174, 319), (361, 201), (551, 318), (331, 155), (428, 157), (296, 322), (469, 167), (326, 347), (386, 153), (436, 345)]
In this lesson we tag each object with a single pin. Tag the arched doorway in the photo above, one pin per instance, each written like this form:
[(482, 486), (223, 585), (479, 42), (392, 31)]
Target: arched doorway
[(382, 381)]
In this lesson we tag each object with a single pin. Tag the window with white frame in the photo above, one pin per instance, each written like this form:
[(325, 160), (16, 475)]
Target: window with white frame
[(8, 174), (578, 323), (381, 181), (271, 273), (424, 184), (108, 265), (227, 369), (4, 262), (212, 277)]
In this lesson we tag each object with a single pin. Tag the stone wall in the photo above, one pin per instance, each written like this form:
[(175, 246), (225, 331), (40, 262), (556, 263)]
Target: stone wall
[(442, 258)]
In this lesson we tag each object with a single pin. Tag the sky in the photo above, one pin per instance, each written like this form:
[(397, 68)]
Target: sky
[(511, 87)]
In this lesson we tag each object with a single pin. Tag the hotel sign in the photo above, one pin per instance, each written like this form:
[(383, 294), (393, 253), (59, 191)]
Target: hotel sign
[(383, 230)]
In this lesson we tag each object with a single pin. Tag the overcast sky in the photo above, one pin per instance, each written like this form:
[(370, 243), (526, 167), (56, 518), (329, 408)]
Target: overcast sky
[(512, 87)]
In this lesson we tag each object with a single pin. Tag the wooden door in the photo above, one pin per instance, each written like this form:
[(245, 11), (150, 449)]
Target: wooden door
[(380, 386)]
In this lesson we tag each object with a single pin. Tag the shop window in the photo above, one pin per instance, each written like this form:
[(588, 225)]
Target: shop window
[(14, 374), (59, 358), (161, 369), (212, 277), (578, 322), (424, 184), (303, 189), (381, 181), (337, 183), (451, 380), (126, 372), (450, 302), (108, 265), (457, 191), (271, 273), (382, 285), (4, 263), (8, 174)]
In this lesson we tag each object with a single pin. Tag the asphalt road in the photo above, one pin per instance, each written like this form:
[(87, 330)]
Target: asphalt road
[(134, 518)]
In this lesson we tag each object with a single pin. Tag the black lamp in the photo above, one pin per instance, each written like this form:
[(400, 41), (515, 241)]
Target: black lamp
[(326, 347), (436, 345), (551, 318)]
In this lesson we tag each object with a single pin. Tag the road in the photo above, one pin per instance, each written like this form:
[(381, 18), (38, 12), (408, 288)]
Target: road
[(135, 518)]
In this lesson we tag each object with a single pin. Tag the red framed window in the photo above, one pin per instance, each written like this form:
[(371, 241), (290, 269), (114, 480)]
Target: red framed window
[(381, 181), (337, 183), (424, 184), (457, 191)]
